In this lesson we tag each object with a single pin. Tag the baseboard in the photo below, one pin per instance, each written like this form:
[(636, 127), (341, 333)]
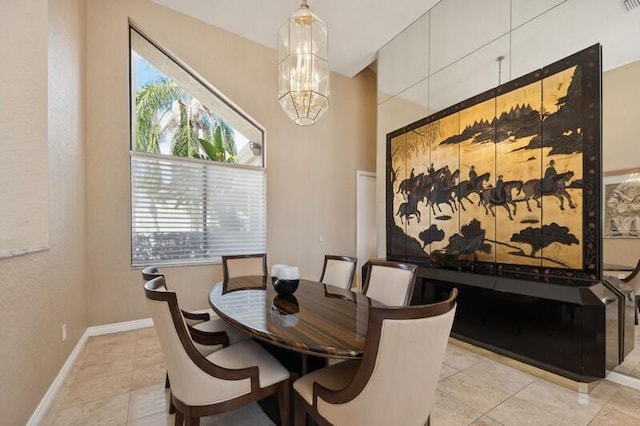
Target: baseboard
[(118, 327), (47, 400), (622, 379)]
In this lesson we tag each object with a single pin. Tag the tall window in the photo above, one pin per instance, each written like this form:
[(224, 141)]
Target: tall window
[(197, 166)]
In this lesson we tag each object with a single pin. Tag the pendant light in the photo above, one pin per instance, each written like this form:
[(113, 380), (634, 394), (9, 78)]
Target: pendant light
[(303, 68)]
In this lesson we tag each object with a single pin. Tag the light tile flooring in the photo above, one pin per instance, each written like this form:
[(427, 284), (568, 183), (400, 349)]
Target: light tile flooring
[(119, 380), (631, 364)]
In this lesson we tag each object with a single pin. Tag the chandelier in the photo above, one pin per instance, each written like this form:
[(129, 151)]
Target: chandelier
[(303, 69)]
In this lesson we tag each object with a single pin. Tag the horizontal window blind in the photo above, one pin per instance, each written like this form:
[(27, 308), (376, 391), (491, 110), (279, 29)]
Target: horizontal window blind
[(186, 211)]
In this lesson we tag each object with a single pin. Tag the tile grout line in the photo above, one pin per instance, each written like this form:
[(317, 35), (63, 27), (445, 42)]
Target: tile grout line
[(135, 355)]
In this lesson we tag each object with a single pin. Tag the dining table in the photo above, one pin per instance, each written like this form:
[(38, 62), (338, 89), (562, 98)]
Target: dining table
[(302, 330), (318, 319)]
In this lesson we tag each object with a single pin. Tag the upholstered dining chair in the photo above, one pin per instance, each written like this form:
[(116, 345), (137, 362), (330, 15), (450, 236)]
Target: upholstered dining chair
[(390, 283), (224, 380), (244, 264), (395, 383), (204, 327), (151, 272), (633, 279), (338, 271), (208, 331)]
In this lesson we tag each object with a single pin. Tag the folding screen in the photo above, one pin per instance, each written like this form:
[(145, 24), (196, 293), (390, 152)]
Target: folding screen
[(512, 176)]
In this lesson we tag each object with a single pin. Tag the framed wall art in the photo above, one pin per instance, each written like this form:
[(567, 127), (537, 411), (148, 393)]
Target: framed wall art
[(621, 204)]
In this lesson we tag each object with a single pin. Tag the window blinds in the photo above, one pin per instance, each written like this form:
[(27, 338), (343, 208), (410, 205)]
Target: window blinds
[(189, 211)]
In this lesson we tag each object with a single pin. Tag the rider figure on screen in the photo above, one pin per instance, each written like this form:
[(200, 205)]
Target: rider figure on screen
[(473, 177), (549, 181), (500, 194)]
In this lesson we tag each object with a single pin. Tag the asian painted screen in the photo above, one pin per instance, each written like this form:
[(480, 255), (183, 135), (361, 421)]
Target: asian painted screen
[(510, 176), (197, 166)]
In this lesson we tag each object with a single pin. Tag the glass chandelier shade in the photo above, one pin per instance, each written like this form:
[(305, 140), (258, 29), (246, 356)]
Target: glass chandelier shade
[(303, 68)]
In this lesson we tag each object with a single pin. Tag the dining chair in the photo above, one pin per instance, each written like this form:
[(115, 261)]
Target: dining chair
[(151, 272), (633, 279), (222, 381), (208, 331), (338, 271), (244, 264), (390, 283), (395, 383), (203, 326)]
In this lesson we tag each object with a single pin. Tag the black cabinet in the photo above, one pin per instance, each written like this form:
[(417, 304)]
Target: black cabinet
[(569, 327)]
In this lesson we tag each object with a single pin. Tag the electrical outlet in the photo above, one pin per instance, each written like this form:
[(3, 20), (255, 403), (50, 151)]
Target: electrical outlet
[(64, 332)]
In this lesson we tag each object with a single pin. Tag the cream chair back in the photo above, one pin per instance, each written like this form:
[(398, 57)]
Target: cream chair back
[(243, 265), (402, 388), (633, 280), (403, 373), (390, 283), (189, 383), (635, 283), (338, 271)]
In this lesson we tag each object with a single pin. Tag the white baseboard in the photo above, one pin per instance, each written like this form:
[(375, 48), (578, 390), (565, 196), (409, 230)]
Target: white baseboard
[(624, 380), (47, 400), (118, 327)]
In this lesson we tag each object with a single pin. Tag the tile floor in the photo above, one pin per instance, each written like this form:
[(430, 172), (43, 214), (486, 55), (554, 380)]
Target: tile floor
[(631, 364), (119, 380)]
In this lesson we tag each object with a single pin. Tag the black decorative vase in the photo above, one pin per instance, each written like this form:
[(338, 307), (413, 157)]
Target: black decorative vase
[(285, 287)]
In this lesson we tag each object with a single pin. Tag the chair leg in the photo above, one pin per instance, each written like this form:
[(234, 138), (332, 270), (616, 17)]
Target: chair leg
[(301, 417), (637, 308), (172, 407), (300, 414), (179, 419), (284, 403)]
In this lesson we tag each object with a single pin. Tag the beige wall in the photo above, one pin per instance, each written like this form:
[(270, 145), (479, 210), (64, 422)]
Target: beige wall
[(42, 291), (311, 172), (23, 88), (621, 103)]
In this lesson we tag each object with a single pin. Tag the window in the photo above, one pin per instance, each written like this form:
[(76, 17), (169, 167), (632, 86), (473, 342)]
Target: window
[(198, 184)]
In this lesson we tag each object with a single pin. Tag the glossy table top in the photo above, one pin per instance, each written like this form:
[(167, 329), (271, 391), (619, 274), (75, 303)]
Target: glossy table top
[(318, 319)]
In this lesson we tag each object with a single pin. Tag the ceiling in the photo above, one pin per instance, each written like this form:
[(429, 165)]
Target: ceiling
[(357, 28)]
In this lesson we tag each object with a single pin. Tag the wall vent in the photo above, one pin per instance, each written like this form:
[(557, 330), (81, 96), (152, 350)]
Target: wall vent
[(631, 4)]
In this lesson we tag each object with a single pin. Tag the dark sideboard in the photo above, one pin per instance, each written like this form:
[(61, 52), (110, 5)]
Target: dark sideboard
[(574, 328)]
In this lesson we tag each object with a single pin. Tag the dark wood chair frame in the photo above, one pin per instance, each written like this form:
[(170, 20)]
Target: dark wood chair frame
[(374, 332), (198, 336), (190, 415), (628, 279), (353, 260), (339, 293), (368, 267)]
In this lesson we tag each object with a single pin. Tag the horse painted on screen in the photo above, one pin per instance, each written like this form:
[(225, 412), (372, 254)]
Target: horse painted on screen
[(489, 198), (533, 190), (466, 188), (408, 209), (437, 196)]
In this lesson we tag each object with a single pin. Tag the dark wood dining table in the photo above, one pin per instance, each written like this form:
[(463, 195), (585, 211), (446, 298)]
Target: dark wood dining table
[(318, 319)]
